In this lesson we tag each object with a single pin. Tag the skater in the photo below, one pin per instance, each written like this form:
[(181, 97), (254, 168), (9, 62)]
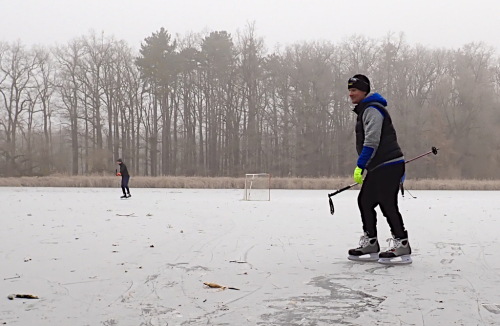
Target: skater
[(125, 178), (382, 158)]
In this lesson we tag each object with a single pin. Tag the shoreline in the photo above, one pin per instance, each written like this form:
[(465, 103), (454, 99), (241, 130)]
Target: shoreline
[(234, 183)]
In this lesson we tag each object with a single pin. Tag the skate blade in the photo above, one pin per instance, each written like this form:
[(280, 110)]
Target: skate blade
[(366, 258), (402, 260)]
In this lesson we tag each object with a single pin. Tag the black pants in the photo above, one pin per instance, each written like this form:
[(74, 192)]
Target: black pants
[(380, 187), (125, 185)]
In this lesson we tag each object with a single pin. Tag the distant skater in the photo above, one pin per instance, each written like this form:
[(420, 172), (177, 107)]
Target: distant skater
[(382, 158), (125, 178)]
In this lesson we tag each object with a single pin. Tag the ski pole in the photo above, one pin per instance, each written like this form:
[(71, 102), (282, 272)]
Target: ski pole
[(434, 150)]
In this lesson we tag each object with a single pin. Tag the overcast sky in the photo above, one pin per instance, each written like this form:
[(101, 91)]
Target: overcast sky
[(435, 23)]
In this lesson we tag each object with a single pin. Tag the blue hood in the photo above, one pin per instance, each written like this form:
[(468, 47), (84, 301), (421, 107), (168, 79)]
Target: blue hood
[(376, 97)]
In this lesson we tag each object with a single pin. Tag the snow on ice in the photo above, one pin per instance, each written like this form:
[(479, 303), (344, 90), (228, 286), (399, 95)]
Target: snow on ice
[(95, 259)]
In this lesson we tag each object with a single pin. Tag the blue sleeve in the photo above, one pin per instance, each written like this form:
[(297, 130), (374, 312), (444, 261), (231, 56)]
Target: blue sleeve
[(365, 156)]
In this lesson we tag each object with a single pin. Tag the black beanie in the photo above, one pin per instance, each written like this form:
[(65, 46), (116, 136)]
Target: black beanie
[(360, 82), (119, 160)]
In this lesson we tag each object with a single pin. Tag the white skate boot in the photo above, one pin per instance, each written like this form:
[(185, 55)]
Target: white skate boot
[(398, 254), (367, 251)]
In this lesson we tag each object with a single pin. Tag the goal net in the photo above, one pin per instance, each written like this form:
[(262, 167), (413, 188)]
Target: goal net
[(257, 186)]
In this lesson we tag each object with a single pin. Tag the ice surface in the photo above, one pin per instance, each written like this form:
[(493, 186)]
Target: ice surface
[(95, 259)]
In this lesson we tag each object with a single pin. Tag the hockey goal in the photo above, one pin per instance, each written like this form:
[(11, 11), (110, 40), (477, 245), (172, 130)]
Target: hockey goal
[(257, 186)]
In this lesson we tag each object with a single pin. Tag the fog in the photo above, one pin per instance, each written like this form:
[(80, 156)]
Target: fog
[(443, 23), (234, 87)]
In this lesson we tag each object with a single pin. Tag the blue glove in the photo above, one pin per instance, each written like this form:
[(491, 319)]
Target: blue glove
[(358, 175)]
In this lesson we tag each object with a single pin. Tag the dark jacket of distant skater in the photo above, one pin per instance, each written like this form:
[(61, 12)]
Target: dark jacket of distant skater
[(123, 170)]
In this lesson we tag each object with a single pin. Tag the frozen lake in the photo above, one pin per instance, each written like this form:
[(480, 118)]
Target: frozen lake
[(95, 259)]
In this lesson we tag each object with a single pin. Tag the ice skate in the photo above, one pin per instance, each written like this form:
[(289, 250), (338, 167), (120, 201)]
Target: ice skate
[(398, 254), (124, 196), (367, 251), (129, 195)]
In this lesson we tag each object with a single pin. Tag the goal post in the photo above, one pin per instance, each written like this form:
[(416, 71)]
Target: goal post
[(257, 186)]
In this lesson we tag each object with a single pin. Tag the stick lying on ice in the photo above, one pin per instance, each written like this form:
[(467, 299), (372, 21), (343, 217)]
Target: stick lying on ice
[(22, 296), (217, 286)]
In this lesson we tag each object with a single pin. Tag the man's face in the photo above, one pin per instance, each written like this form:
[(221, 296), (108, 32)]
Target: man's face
[(356, 95), (119, 163)]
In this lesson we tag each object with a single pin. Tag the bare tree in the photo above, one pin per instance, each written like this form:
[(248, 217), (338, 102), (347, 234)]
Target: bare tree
[(16, 68), (69, 86)]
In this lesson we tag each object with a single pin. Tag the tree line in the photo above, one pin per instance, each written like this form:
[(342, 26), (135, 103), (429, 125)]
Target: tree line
[(215, 104)]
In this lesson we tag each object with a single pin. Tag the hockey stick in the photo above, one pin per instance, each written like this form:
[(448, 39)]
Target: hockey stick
[(434, 151)]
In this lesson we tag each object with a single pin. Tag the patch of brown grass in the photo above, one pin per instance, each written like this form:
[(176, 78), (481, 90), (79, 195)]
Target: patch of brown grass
[(458, 184), (97, 181)]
